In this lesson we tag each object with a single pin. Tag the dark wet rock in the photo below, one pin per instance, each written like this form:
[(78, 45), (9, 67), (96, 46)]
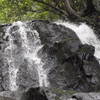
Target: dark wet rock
[(51, 33), (34, 94)]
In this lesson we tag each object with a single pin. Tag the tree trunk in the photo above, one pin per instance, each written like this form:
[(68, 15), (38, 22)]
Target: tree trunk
[(70, 10)]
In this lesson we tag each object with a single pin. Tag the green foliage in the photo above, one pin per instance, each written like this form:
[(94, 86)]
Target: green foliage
[(14, 10)]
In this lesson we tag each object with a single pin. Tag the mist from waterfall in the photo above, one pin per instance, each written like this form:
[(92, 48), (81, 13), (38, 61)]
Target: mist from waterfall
[(85, 34), (28, 44)]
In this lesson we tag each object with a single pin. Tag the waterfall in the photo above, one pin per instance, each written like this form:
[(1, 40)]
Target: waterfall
[(28, 44), (10, 58), (24, 43), (85, 34)]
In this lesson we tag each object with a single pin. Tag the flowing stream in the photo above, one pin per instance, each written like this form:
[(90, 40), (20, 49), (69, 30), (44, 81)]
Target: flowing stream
[(28, 43), (85, 34)]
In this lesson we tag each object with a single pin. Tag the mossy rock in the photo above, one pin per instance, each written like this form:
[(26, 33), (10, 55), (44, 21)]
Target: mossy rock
[(63, 92)]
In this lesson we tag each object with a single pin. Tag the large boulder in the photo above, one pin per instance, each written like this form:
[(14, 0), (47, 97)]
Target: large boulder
[(51, 33)]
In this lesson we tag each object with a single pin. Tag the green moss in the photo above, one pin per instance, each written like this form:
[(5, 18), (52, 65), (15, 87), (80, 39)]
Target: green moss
[(63, 92)]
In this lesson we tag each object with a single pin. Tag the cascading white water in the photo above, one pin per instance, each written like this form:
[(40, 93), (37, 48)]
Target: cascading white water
[(85, 34), (12, 68), (31, 52), (30, 48)]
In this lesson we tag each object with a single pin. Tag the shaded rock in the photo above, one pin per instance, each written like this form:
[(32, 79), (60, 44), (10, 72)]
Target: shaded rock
[(34, 94)]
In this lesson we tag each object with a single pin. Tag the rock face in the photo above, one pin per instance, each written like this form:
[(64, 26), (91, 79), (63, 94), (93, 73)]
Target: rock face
[(69, 64)]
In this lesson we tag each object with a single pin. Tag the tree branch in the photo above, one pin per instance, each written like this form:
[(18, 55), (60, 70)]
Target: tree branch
[(69, 9), (54, 9)]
